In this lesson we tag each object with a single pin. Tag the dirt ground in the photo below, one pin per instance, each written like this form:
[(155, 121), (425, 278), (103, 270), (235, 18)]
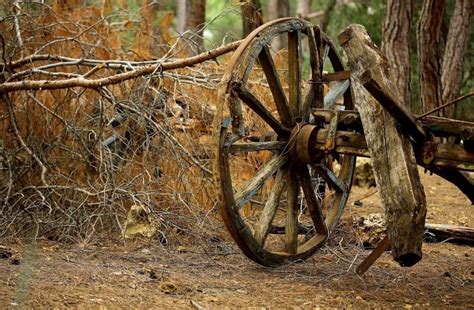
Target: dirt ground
[(214, 273)]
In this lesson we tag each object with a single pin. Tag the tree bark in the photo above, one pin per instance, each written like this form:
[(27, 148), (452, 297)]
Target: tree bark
[(456, 48), (329, 7), (192, 17), (394, 163), (249, 10), (396, 46), (278, 9), (304, 7), (181, 15), (429, 54)]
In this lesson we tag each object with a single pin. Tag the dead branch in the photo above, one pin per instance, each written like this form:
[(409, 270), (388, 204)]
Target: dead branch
[(114, 79), (451, 233), (314, 15)]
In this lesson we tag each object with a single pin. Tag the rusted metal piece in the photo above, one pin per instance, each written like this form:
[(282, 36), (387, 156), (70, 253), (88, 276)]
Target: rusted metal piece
[(373, 256), (305, 138)]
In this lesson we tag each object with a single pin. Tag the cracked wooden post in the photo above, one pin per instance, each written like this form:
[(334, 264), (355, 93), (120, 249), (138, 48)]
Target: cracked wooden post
[(394, 163)]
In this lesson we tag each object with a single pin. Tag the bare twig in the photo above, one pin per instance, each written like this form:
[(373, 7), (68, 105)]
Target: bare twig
[(444, 105), (115, 79), (22, 142)]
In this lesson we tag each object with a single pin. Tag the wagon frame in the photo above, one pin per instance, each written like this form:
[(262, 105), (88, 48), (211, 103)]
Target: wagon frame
[(311, 136)]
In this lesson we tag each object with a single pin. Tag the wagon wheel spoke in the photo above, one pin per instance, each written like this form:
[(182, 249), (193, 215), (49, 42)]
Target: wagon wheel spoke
[(313, 97), (294, 72), (245, 147), (314, 205), (325, 50), (338, 66), (337, 76), (335, 93), (253, 103), (252, 186), (268, 66), (323, 47), (291, 227), (330, 178), (269, 211)]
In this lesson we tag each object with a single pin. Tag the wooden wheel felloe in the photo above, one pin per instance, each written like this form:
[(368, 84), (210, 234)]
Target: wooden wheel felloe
[(279, 197)]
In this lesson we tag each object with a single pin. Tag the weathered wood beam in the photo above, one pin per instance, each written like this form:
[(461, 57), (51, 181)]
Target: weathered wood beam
[(459, 178), (394, 162), (446, 126), (379, 90), (439, 126)]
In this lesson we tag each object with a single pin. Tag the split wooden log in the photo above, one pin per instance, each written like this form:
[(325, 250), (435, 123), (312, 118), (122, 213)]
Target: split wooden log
[(394, 163)]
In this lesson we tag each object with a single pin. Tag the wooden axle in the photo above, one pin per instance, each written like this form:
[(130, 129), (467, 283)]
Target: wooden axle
[(428, 154)]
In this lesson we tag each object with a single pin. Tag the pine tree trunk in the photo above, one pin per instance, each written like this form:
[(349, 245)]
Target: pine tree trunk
[(304, 8), (278, 9), (192, 17), (249, 9), (327, 13), (396, 46), (429, 54), (456, 48), (181, 15)]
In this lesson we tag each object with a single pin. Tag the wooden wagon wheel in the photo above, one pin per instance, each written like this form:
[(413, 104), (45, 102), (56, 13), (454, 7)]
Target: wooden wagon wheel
[(284, 209)]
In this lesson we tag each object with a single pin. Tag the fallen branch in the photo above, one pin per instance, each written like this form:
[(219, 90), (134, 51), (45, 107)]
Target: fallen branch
[(117, 78), (451, 233)]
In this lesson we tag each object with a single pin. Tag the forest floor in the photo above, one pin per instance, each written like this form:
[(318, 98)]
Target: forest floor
[(214, 274)]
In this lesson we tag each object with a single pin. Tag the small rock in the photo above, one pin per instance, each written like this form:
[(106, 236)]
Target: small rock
[(447, 274)]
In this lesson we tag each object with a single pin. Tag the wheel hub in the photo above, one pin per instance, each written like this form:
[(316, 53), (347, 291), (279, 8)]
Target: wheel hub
[(303, 138)]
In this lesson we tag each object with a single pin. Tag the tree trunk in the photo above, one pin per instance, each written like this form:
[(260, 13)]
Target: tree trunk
[(429, 54), (327, 13), (394, 164), (278, 9), (304, 8), (456, 47), (191, 19), (181, 15), (396, 46), (249, 10)]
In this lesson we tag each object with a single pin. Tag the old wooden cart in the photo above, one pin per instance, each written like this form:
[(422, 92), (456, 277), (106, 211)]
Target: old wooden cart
[(301, 119)]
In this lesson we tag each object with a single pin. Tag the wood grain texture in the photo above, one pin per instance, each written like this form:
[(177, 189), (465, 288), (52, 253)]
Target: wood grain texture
[(394, 162)]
